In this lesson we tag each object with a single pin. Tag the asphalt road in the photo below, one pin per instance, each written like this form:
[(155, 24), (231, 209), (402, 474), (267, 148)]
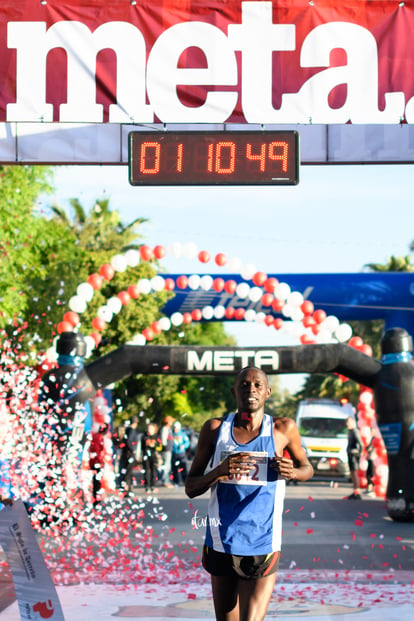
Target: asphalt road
[(322, 529)]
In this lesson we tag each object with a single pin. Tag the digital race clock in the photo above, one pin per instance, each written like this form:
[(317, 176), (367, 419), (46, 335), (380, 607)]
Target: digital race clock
[(214, 158)]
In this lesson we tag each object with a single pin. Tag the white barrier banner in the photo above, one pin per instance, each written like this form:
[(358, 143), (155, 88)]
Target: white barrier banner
[(36, 594)]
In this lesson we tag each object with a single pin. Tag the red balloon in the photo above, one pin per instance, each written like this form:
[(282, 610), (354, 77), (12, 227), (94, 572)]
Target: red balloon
[(204, 256), (187, 318), (64, 326), (148, 334), (267, 299), (169, 284), (146, 253), (315, 329), (218, 284), (220, 259), (182, 282), (366, 349), (356, 342), (196, 314), (95, 280), (306, 339), (277, 305), (308, 321), (96, 337), (229, 312), (380, 491), (98, 323), (271, 284), (230, 286), (319, 315), (133, 291), (307, 307), (72, 318), (269, 319), (259, 278), (278, 323), (124, 297), (239, 314), (155, 327), (107, 271), (159, 252)]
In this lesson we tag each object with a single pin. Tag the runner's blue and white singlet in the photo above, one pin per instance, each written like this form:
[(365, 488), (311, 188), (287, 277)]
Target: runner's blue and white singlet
[(245, 511)]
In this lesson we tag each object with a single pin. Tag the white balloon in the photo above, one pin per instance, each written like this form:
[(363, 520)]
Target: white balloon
[(330, 323), (157, 283), (51, 355), (260, 317), (365, 397), (138, 339), (194, 281), (206, 282), (175, 249), (248, 271), (119, 263), (114, 304), (296, 314), (255, 294), (287, 310), (250, 315), (90, 346), (282, 291), (219, 311), (242, 290), (207, 312), (164, 323), (85, 291), (343, 332), (234, 264), (176, 319), (144, 285), (295, 298), (190, 250), (104, 313), (324, 337), (132, 257), (77, 304)]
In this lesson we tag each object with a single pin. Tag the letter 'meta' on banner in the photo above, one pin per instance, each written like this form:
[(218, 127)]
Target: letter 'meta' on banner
[(211, 62), (36, 594), (228, 360)]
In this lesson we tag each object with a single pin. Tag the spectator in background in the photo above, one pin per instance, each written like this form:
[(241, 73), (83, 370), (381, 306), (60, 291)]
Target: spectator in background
[(166, 437), (128, 460), (369, 449), (97, 460), (354, 449), (150, 451), (117, 443), (180, 445)]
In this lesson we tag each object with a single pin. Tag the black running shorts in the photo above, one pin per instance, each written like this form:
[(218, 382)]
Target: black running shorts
[(246, 567)]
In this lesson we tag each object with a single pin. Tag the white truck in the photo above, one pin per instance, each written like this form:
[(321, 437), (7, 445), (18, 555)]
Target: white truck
[(322, 426)]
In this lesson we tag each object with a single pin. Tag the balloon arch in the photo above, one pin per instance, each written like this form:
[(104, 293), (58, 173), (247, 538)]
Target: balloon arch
[(304, 323)]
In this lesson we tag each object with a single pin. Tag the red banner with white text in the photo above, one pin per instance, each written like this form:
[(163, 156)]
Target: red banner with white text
[(207, 61)]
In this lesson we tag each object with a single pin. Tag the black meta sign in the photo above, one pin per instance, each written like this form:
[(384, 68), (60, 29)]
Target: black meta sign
[(214, 158)]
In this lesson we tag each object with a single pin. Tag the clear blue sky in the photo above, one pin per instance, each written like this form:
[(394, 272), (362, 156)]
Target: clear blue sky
[(336, 220)]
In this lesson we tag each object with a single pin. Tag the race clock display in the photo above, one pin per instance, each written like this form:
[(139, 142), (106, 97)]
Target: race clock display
[(213, 158)]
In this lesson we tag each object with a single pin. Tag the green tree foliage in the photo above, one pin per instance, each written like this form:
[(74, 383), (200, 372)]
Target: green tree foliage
[(25, 237)]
